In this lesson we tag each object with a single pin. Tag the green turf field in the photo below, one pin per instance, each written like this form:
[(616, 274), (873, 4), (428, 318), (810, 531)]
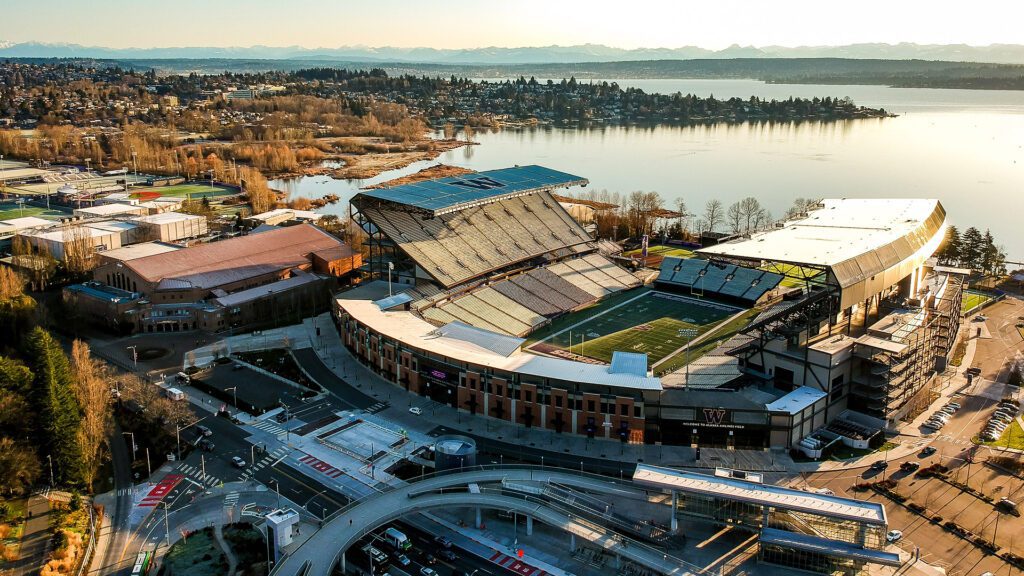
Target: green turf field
[(662, 250), (9, 210), (974, 299), (796, 271), (193, 190), (647, 323)]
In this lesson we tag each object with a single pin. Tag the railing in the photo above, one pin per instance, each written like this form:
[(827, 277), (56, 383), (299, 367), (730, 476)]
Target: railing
[(91, 548)]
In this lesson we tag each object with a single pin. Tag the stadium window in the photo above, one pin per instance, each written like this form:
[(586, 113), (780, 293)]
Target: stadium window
[(623, 409), (590, 406), (558, 401), (497, 390), (528, 396), (637, 413)]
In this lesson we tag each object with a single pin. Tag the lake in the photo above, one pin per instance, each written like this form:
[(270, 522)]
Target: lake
[(963, 147)]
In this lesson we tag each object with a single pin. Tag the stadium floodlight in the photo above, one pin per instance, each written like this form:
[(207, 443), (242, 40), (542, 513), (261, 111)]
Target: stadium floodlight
[(689, 334), (391, 266)]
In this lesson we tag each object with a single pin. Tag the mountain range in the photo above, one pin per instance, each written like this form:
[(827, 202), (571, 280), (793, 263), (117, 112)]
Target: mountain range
[(994, 53)]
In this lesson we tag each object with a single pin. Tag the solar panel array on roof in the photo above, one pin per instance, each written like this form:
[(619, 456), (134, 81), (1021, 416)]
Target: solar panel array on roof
[(456, 192)]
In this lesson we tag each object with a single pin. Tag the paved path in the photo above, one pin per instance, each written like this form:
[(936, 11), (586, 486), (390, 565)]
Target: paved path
[(218, 535), (35, 543)]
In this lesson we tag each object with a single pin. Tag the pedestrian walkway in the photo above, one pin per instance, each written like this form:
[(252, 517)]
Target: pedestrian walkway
[(229, 554), (196, 474), (35, 541), (268, 427), (269, 459)]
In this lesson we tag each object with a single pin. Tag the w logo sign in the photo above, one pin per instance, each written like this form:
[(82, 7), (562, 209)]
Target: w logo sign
[(714, 415), (481, 183)]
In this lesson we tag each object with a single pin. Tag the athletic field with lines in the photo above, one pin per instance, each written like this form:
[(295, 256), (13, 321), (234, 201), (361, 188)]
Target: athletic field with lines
[(648, 322), (974, 299)]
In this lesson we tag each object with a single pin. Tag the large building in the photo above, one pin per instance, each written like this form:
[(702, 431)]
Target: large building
[(491, 298), (254, 279)]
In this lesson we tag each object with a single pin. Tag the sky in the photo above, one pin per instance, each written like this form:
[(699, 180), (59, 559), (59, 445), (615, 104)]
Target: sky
[(713, 24)]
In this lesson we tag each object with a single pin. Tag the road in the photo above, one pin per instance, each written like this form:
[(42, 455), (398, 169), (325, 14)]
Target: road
[(953, 448), (117, 557)]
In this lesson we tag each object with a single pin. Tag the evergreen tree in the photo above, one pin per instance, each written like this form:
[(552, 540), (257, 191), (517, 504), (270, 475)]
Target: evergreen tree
[(57, 409), (950, 251), (971, 249)]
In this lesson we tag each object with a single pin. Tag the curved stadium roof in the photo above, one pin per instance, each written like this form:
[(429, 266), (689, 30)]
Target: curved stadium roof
[(866, 243)]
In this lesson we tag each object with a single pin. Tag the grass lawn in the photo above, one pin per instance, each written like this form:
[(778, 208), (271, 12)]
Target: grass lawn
[(198, 555), (661, 250), (974, 299), (1013, 437), (9, 210), (192, 190), (649, 323)]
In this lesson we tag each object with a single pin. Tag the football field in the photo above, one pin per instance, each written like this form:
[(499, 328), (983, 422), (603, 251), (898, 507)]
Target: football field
[(650, 323)]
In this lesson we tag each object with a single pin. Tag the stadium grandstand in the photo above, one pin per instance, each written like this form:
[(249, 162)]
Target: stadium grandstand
[(486, 294)]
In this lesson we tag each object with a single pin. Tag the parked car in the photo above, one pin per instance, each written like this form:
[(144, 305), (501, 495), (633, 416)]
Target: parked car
[(403, 560), (430, 558), (443, 542), (910, 466), (928, 451), (894, 535), (880, 465), (206, 445), (415, 410), (238, 462), (424, 571), (954, 405), (204, 431)]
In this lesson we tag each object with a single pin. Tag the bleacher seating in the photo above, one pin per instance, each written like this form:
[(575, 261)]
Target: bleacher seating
[(555, 282), (457, 246), (528, 299), (726, 280)]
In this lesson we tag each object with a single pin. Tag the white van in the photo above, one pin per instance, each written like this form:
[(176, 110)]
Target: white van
[(175, 394)]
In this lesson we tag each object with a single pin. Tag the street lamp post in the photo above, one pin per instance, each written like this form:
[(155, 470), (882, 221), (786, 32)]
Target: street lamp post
[(132, 435), (50, 460), (234, 394), (135, 355)]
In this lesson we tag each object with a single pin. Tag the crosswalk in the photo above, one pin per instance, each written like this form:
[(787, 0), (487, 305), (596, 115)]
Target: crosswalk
[(231, 499), (273, 456), (378, 407), (125, 491), (268, 426), (952, 440), (196, 474)]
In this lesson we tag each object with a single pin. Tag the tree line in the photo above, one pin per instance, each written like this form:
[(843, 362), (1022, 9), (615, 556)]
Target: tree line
[(972, 249)]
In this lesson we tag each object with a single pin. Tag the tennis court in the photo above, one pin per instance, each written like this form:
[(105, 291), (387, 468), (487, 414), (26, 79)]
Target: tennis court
[(974, 299), (650, 323)]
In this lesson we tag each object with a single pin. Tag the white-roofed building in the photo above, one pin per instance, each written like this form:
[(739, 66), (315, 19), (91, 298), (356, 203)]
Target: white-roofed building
[(111, 210), (172, 226)]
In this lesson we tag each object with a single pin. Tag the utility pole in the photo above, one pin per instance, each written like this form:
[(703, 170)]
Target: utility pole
[(234, 392), (167, 525), (689, 333), (132, 435), (50, 460)]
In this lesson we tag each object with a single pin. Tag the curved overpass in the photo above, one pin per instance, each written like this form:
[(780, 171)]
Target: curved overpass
[(320, 552)]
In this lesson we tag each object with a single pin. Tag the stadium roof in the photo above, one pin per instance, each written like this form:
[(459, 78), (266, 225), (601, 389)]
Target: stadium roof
[(217, 263), (392, 301), (827, 546), (764, 494), (455, 193), (141, 250), (412, 330), (867, 243)]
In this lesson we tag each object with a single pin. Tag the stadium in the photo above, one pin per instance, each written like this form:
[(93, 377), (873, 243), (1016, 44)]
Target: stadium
[(485, 294)]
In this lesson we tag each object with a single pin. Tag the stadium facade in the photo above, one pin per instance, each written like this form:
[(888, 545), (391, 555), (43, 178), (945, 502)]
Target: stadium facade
[(835, 323)]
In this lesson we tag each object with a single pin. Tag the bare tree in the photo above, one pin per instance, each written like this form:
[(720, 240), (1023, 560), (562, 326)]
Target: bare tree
[(92, 388), (734, 217), (79, 250), (713, 214), (12, 284), (750, 208)]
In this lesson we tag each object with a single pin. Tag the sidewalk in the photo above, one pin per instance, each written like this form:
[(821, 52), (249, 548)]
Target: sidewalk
[(35, 542)]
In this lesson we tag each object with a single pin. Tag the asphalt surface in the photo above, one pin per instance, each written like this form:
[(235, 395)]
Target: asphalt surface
[(118, 558), (349, 397)]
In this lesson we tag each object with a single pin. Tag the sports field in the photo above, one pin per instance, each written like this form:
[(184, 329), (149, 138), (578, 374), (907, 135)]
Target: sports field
[(657, 253), (974, 299), (649, 322), (186, 190), (10, 210)]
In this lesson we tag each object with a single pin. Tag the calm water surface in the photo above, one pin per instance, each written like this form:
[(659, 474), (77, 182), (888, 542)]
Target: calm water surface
[(963, 147)]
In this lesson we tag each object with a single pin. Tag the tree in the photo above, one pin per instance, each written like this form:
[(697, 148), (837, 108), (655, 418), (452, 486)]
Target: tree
[(12, 284), (92, 390), (683, 230), (54, 400), (752, 213), (951, 247), (19, 467), (734, 217), (79, 251), (255, 185), (972, 247), (713, 215)]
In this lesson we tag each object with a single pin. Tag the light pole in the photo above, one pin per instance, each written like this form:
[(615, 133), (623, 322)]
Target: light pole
[(135, 355), (177, 433), (234, 393), (689, 334), (50, 460), (132, 435), (277, 488), (391, 267)]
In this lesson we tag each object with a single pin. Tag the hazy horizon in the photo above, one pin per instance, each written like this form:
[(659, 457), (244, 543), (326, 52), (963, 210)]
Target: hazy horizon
[(463, 24)]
